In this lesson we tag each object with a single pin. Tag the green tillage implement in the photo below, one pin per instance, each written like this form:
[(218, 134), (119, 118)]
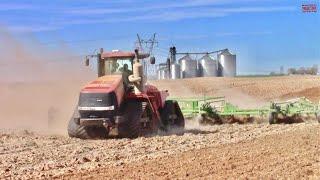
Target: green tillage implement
[(293, 109), (192, 107)]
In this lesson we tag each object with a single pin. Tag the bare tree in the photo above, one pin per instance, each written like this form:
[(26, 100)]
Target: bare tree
[(314, 70), (292, 71)]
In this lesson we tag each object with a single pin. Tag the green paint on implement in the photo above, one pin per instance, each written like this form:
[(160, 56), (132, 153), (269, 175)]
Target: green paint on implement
[(295, 106), (191, 107)]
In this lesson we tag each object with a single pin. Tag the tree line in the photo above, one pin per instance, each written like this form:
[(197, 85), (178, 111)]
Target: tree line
[(304, 70)]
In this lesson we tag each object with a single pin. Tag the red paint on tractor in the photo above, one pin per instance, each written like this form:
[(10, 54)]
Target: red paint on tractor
[(106, 84)]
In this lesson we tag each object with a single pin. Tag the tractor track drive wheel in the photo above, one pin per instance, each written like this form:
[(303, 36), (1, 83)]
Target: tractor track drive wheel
[(172, 118), (84, 132), (130, 128)]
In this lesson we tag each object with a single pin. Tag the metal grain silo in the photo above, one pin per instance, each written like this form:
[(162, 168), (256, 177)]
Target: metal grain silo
[(163, 71), (166, 74), (227, 64), (159, 74), (175, 71), (162, 74), (208, 67), (189, 67)]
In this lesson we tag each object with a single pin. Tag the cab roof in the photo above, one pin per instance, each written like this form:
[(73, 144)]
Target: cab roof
[(118, 54), (122, 55)]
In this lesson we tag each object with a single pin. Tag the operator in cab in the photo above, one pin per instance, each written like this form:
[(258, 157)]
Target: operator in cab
[(125, 74)]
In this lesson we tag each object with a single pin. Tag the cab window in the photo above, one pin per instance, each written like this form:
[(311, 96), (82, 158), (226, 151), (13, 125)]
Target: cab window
[(116, 66)]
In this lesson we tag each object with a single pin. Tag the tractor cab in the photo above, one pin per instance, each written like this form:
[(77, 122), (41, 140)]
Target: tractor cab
[(116, 62)]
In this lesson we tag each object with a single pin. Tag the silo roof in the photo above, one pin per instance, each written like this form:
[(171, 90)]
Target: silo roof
[(186, 57), (207, 57), (226, 52)]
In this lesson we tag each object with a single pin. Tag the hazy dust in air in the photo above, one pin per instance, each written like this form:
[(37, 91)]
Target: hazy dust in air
[(39, 87)]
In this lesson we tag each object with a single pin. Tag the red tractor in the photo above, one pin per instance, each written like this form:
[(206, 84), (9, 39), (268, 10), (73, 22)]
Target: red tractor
[(120, 104)]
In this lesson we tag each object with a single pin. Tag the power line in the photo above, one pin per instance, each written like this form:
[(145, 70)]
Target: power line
[(147, 46)]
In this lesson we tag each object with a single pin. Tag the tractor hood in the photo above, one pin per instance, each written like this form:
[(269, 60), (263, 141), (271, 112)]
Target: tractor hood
[(104, 84), (104, 91)]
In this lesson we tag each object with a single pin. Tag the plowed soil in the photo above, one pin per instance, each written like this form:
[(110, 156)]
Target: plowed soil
[(290, 154), (245, 91), (235, 151)]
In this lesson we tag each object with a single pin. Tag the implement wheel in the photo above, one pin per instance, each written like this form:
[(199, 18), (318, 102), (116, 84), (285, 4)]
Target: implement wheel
[(84, 132), (273, 118)]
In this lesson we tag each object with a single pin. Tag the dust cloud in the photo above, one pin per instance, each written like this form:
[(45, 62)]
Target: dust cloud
[(38, 86), (241, 99)]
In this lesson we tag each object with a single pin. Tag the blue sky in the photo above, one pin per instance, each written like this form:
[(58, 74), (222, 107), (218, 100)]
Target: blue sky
[(264, 34)]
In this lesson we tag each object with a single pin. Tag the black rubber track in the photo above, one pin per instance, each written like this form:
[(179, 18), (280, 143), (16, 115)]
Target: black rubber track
[(131, 127), (172, 108), (84, 132)]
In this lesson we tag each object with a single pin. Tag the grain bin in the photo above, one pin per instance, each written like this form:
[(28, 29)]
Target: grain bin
[(208, 67), (162, 71), (227, 64), (175, 71), (189, 67), (160, 74), (163, 74)]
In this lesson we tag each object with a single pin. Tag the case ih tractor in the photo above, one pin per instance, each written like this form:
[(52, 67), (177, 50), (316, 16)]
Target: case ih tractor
[(120, 104)]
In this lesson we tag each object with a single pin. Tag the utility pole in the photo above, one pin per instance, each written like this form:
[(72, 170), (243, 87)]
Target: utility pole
[(173, 52), (172, 58)]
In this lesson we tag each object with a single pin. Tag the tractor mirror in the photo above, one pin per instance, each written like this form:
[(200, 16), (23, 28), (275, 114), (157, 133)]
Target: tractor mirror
[(87, 61), (152, 60)]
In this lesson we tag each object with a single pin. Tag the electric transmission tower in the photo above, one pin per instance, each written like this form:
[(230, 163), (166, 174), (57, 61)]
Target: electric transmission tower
[(147, 46)]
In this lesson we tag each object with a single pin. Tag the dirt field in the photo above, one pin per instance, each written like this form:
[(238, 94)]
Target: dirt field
[(257, 156), (235, 151), (255, 90), (221, 151)]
